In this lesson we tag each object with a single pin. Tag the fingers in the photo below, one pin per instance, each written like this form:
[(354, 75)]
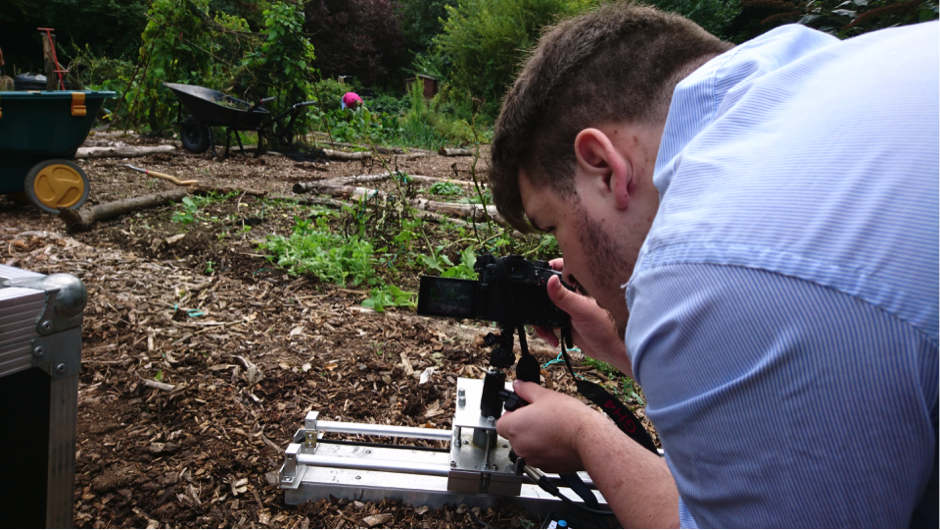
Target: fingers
[(569, 301), (557, 264), (547, 334), (527, 391)]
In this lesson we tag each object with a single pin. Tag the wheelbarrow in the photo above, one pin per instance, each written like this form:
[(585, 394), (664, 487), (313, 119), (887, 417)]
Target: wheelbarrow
[(210, 108), (39, 134)]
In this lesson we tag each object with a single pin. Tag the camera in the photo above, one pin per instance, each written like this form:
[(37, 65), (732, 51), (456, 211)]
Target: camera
[(510, 290)]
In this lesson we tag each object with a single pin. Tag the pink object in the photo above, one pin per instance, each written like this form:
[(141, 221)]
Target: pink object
[(351, 100)]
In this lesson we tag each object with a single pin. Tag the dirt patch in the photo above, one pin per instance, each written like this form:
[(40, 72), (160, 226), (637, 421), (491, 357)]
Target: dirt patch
[(247, 348)]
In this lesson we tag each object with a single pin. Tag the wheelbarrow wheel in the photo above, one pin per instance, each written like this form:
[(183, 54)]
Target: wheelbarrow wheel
[(54, 184), (195, 136)]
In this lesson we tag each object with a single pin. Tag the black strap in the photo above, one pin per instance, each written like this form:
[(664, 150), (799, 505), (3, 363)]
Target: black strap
[(622, 416), (574, 481), (528, 368)]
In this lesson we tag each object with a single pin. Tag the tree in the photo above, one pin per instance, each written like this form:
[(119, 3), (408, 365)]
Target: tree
[(422, 20), (361, 38)]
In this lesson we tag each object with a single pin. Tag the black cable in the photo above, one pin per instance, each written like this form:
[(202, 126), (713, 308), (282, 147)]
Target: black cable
[(546, 484), (583, 507)]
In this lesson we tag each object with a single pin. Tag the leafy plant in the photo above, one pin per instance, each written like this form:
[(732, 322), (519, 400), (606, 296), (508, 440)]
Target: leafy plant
[(390, 296), (188, 214), (623, 387), (313, 249), (448, 189)]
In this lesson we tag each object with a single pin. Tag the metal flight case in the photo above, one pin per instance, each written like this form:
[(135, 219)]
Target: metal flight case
[(40, 358)]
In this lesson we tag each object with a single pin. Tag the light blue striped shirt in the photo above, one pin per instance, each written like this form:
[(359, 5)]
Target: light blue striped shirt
[(784, 307)]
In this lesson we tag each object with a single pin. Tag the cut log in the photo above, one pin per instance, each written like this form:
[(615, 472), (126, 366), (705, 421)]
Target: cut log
[(84, 218), (356, 193), (307, 187), (447, 151), (344, 156), (127, 151), (201, 189)]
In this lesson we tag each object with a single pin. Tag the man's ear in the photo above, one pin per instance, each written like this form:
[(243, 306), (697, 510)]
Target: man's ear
[(598, 158)]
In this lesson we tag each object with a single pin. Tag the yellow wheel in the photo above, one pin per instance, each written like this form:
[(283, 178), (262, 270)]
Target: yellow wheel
[(55, 184)]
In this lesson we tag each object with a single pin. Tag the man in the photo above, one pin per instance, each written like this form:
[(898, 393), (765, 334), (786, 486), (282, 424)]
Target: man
[(761, 225)]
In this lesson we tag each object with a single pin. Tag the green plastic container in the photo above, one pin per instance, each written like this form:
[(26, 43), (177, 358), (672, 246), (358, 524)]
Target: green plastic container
[(37, 127)]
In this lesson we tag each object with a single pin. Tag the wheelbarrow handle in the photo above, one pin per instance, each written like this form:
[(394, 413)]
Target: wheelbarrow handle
[(305, 104)]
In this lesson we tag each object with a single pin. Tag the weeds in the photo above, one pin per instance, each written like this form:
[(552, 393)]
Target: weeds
[(623, 387), (313, 249)]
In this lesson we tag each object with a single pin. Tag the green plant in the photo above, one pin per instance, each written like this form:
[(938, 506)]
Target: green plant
[(193, 203), (313, 249), (389, 296), (623, 387), (448, 189), (210, 267), (189, 212)]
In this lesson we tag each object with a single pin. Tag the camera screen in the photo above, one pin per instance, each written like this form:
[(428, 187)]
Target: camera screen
[(447, 297)]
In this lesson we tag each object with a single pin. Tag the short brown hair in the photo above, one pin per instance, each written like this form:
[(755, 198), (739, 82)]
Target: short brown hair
[(619, 62)]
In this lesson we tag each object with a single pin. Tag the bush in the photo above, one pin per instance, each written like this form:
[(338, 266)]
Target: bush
[(486, 41), (715, 16)]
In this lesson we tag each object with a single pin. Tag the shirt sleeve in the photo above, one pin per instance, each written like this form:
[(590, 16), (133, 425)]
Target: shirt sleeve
[(782, 403)]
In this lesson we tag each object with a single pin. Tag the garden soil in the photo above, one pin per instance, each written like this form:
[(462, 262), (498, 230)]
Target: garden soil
[(241, 349)]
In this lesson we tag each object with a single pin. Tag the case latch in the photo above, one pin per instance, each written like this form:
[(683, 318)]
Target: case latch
[(78, 104)]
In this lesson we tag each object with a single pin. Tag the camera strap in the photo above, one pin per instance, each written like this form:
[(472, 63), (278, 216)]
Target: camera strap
[(625, 419)]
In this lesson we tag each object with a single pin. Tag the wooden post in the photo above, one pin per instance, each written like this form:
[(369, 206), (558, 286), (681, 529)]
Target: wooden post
[(49, 63)]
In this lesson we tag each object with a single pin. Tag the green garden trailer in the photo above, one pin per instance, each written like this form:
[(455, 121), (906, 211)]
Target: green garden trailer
[(39, 134)]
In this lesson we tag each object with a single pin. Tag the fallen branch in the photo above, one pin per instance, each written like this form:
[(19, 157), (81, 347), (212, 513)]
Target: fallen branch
[(356, 193), (84, 218), (158, 385), (447, 151), (128, 151), (201, 189), (332, 154), (307, 187)]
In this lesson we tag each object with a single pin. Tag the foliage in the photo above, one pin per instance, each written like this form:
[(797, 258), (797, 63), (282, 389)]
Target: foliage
[(418, 125), (445, 188), (179, 47), (623, 387), (390, 296), (716, 16), (329, 92), (182, 43), (842, 18), (281, 68), (422, 20), (313, 249), (487, 39), (360, 38), (95, 72), (77, 24), (192, 204)]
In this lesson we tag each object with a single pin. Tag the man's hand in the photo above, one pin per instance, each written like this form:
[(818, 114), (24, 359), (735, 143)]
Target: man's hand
[(546, 431), (591, 327), (558, 433)]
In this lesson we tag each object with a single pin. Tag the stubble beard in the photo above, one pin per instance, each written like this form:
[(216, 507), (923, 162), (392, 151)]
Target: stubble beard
[(610, 268)]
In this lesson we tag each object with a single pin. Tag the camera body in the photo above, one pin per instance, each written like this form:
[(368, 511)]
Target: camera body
[(510, 290)]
